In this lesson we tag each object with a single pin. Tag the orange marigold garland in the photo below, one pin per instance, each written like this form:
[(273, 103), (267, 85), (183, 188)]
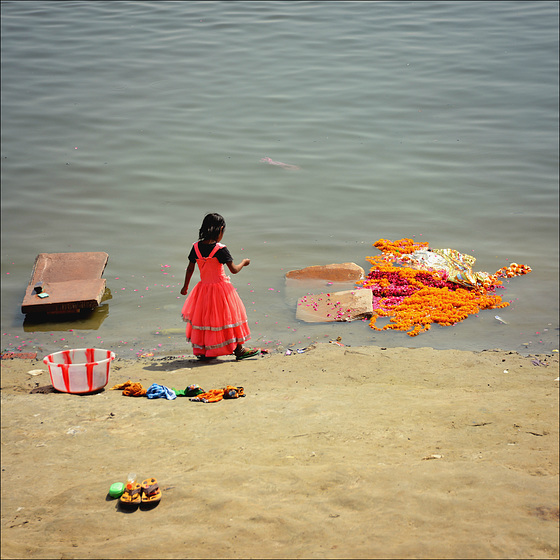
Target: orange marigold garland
[(413, 299), (400, 246)]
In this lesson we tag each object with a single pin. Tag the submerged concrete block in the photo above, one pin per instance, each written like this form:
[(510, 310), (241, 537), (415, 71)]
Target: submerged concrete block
[(72, 281), (343, 272), (348, 305)]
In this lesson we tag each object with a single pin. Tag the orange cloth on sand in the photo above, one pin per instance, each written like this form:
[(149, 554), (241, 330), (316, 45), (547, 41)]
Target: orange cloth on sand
[(131, 389), (216, 395)]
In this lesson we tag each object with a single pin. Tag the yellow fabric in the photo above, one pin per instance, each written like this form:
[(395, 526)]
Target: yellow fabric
[(459, 268)]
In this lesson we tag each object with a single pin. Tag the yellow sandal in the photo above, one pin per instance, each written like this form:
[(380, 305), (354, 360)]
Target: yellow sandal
[(132, 494), (150, 491)]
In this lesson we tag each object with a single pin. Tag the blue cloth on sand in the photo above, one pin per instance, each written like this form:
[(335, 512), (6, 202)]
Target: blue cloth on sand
[(160, 392)]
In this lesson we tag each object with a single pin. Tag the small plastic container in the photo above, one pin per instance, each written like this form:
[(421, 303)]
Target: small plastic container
[(116, 490), (83, 370)]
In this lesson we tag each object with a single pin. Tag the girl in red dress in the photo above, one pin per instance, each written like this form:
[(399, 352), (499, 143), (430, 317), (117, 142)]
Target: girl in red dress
[(214, 313)]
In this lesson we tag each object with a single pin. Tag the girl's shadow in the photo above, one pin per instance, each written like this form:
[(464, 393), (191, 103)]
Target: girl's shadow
[(180, 364)]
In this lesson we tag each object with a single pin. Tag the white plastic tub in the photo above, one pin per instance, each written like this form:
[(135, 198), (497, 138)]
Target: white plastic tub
[(83, 370)]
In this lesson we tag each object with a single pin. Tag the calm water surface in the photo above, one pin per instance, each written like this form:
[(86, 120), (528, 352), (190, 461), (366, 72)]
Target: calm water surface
[(123, 123)]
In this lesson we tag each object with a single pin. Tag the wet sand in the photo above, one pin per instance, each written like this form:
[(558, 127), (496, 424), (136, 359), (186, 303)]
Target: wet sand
[(338, 452)]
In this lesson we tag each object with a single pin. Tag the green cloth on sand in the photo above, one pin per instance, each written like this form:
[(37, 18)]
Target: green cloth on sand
[(190, 391)]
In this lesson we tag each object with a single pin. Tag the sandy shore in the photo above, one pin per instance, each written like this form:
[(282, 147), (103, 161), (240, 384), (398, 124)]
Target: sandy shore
[(334, 453)]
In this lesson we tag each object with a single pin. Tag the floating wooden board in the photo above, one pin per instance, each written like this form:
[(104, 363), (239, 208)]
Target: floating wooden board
[(72, 281)]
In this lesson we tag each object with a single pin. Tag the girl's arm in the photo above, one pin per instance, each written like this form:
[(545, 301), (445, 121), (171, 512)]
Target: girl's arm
[(188, 275), (235, 268)]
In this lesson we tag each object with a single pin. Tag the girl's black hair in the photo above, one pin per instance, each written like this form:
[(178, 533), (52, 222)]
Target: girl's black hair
[(211, 227)]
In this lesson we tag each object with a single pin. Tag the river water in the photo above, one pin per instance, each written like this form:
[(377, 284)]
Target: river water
[(123, 123)]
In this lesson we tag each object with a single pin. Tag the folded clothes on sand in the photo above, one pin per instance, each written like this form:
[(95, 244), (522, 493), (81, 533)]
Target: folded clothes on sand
[(195, 392), (156, 391)]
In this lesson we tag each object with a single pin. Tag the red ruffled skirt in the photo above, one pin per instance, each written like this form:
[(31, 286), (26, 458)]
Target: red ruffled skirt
[(216, 319)]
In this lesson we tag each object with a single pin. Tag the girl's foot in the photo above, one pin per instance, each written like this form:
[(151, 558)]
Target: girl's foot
[(243, 353), (203, 358)]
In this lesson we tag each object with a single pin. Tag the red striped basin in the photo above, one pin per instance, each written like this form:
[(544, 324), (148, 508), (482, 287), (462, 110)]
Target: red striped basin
[(82, 370)]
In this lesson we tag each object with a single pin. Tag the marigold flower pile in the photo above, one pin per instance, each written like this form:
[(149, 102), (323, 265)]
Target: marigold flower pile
[(414, 299)]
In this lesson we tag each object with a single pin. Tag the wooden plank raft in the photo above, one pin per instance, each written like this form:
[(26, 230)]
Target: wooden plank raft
[(72, 281)]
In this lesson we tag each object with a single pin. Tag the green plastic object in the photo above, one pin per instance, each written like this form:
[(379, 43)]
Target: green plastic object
[(116, 490)]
